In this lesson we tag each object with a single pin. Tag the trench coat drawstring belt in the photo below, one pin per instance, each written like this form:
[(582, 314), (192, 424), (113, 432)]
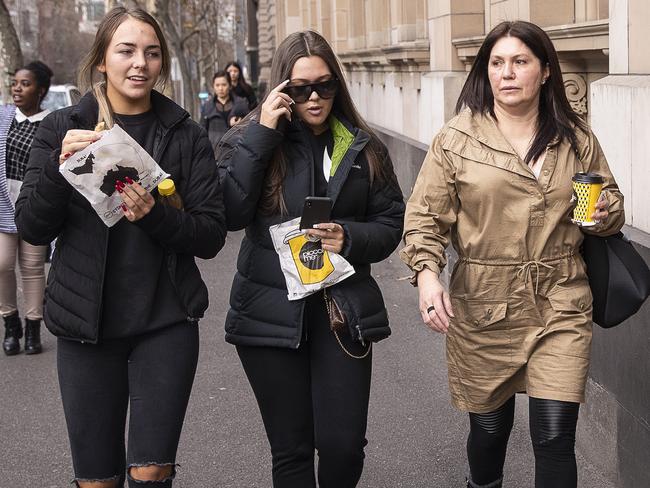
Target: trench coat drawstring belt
[(524, 271)]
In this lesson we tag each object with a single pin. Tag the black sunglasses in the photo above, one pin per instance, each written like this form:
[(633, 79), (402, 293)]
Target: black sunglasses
[(301, 93)]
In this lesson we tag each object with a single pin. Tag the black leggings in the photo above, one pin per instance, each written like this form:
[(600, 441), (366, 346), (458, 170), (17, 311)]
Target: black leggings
[(152, 374), (552, 431), (315, 397)]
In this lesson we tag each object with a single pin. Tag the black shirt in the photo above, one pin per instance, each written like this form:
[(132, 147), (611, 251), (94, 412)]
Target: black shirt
[(246, 93), (138, 294), (319, 143)]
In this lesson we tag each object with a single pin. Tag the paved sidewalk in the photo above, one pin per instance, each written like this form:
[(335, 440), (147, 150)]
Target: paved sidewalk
[(416, 439)]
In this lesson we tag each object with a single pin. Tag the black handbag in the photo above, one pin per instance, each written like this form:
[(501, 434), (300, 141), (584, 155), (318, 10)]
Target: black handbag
[(618, 276)]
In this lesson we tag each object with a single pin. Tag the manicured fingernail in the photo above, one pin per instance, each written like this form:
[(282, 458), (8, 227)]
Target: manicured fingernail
[(128, 180), (124, 207), (67, 155), (119, 190)]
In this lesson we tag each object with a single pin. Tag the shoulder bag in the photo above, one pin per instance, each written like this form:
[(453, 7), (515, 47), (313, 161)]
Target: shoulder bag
[(618, 276)]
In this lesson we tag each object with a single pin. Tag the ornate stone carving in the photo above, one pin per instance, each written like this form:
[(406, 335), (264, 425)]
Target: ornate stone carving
[(575, 87)]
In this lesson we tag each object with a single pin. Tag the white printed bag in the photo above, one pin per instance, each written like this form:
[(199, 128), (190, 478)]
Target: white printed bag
[(94, 171), (306, 266)]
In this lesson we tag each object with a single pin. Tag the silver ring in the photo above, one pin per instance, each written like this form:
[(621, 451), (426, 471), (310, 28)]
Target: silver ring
[(431, 309)]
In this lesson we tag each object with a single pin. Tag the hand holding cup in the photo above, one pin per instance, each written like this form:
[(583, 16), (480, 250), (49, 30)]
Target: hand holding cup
[(591, 207)]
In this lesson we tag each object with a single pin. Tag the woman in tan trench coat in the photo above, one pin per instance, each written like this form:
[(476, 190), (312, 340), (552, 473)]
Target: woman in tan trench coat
[(497, 183)]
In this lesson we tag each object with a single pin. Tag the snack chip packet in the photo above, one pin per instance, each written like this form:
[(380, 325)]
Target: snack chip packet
[(94, 171)]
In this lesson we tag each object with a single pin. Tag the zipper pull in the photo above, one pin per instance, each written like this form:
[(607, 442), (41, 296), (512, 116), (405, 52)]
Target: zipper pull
[(358, 327)]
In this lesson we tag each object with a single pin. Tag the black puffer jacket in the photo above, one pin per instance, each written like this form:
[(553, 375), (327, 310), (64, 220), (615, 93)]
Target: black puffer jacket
[(371, 215), (48, 207), (216, 122)]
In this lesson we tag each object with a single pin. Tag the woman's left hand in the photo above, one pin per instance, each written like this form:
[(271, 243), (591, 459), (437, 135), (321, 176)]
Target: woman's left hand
[(331, 235), (137, 201), (602, 210)]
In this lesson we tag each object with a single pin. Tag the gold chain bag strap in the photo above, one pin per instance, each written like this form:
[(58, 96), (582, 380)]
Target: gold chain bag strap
[(337, 323)]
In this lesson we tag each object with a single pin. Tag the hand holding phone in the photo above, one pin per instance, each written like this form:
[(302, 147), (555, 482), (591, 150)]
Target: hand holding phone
[(316, 210)]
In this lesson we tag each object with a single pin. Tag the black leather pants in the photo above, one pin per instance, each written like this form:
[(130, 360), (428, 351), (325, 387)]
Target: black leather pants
[(552, 431)]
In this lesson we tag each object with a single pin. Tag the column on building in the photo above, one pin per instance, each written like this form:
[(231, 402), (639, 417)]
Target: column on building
[(342, 24), (267, 22), (408, 61), (386, 57), (621, 106), (290, 16), (448, 20)]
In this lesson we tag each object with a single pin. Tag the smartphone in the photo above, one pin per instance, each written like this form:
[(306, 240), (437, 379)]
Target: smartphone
[(316, 210)]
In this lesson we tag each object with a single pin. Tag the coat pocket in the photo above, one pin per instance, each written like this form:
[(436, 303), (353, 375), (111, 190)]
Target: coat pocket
[(481, 313), (570, 299)]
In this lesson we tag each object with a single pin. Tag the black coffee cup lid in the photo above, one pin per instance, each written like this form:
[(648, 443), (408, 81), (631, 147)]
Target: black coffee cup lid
[(588, 178)]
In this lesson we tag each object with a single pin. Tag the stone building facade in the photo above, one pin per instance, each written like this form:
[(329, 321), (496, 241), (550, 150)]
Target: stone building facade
[(406, 61)]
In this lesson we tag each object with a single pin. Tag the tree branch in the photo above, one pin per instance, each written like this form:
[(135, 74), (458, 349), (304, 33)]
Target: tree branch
[(189, 36)]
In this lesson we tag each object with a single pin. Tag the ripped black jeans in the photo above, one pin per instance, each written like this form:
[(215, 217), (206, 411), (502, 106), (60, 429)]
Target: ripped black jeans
[(152, 374)]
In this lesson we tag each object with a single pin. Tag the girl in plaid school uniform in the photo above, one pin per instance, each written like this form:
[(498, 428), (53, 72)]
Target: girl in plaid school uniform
[(18, 124)]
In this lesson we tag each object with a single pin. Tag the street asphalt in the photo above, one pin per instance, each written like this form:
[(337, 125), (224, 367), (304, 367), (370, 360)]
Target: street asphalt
[(416, 438)]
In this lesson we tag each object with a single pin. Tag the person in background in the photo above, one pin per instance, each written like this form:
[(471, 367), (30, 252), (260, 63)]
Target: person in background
[(125, 301), (307, 139), (222, 110), (18, 124), (239, 85), (496, 183)]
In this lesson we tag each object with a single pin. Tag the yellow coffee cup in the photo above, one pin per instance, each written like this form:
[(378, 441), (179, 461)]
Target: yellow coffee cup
[(586, 192)]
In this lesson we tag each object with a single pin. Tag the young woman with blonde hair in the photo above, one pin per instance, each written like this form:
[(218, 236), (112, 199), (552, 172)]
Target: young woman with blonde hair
[(125, 301)]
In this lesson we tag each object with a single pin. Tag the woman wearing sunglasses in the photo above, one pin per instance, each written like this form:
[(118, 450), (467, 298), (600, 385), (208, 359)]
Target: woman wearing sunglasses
[(308, 139)]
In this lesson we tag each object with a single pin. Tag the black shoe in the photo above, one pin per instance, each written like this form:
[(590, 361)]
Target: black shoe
[(13, 332), (33, 336)]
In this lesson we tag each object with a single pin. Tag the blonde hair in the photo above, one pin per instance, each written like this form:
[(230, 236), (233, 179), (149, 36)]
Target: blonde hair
[(96, 56)]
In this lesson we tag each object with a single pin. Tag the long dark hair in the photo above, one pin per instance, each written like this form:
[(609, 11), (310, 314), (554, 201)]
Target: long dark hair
[(96, 56), (295, 46), (242, 79), (556, 118)]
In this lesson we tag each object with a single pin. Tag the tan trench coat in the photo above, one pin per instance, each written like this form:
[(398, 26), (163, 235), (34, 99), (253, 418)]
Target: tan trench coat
[(519, 290)]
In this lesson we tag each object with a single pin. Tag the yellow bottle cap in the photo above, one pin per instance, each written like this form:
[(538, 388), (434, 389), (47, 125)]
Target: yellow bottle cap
[(166, 187)]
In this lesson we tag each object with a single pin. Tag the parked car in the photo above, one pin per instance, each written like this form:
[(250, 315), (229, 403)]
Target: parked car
[(61, 96)]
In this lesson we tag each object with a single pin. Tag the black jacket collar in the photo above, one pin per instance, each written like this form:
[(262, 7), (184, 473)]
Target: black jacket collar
[(168, 112)]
